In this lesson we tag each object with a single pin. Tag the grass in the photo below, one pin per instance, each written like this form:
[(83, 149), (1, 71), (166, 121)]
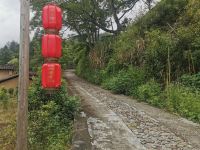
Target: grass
[(8, 125)]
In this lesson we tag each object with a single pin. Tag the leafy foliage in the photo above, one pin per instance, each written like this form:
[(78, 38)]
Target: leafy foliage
[(50, 117), (8, 52), (192, 81), (4, 97), (125, 82), (8, 108), (8, 124), (184, 101), (150, 92), (36, 59), (166, 12), (68, 55), (164, 46)]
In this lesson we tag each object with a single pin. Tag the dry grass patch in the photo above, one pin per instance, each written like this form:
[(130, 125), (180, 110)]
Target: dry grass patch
[(8, 125)]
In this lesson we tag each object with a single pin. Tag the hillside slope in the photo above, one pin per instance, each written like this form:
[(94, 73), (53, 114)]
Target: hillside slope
[(156, 60)]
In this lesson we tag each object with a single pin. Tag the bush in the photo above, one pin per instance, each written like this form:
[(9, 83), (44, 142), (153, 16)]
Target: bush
[(125, 82), (183, 100), (112, 67), (165, 11), (84, 70), (4, 98), (3, 95), (93, 76), (165, 43), (50, 117), (150, 92), (192, 81), (4, 90), (11, 91)]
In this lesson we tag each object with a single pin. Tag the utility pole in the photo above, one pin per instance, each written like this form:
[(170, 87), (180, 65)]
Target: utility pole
[(22, 113)]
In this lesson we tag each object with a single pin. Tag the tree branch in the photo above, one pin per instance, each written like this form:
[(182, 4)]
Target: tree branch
[(126, 11)]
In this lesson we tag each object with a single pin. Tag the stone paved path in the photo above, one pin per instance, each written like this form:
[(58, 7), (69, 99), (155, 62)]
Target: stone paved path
[(116, 122)]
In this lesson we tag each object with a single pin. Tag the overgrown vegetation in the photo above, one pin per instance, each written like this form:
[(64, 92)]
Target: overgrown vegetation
[(125, 81), (9, 54), (156, 59), (8, 107), (50, 117)]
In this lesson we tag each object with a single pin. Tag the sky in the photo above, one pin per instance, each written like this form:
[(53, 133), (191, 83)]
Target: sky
[(9, 21)]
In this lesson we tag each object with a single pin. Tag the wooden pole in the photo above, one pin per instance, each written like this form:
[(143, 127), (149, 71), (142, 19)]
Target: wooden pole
[(22, 114)]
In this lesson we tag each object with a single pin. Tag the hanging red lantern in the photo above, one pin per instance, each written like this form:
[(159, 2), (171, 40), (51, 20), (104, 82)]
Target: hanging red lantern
[(51, 46), (52, 17), (51, 75)]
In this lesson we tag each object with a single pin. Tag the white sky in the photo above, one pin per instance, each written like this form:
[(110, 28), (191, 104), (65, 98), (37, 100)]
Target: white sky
[(9, 21)]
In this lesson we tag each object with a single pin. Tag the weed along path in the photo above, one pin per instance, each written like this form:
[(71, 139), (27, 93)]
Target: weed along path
[(116, 122)]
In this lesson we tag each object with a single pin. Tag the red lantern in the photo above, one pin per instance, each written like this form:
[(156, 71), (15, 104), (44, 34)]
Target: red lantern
[(52, 17), (51, 46), (51, 75)]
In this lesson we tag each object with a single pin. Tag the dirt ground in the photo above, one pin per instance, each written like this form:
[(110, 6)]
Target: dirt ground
[(116, 122)]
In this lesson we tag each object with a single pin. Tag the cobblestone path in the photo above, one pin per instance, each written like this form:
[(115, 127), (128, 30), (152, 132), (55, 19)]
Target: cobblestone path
[(116, 122)]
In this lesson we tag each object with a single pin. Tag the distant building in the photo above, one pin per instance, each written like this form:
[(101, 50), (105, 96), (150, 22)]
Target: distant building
[(10, 82), (7, 71), (9, 77)]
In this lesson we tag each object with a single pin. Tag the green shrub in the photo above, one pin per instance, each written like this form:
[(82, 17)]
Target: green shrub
[(125, 82), (150, 92), (3, 95), (93, 76), (50, 117), (112, 67), (183, 100), (11, 91), (158, 46), (165, 11), (82, 67), (16, 91), (165, 43), (4, 90), (4, 98), (191, 80), (84, 70)]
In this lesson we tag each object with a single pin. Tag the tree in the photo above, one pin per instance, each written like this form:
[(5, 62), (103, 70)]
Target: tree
[(149, 3), (100, 14), (15, 63), (8, 52), (87, 17)]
